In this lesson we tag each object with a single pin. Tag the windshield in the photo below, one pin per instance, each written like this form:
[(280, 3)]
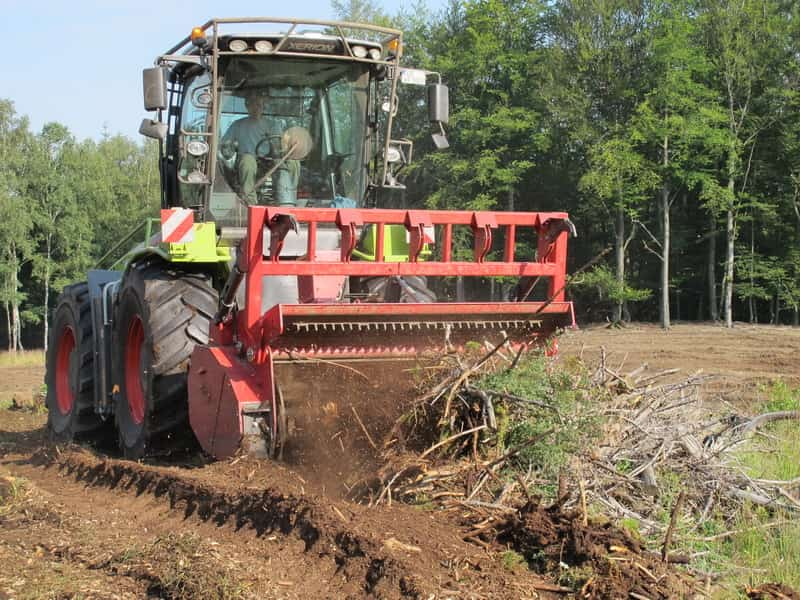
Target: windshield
[(291, 133)]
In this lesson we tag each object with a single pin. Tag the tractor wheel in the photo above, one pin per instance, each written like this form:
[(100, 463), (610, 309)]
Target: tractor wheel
[(161, 314), (414, 288), (70, 370)]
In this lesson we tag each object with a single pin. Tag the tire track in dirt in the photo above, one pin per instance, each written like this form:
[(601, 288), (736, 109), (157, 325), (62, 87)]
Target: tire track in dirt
[(266, 513), (308, 545)]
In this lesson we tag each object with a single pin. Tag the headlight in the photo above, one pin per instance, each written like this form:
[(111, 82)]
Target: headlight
[(197, 148), (263, 46), (374, 53), (359, 51), (204, 98), (393, 154), (237, 46)]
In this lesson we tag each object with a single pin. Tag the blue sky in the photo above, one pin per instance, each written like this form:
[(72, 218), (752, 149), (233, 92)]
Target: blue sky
[(79, 62)]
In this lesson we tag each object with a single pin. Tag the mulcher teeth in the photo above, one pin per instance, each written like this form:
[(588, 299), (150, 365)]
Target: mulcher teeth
[(407, 326)]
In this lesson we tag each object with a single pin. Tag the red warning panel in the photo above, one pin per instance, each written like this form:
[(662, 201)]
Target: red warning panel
[(177, 225)]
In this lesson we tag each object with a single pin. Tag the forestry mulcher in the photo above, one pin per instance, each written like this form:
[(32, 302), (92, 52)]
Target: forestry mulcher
[(276, 274)]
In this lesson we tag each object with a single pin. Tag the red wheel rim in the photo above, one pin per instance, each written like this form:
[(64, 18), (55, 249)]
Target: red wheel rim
[(65, 397), (133, 379)]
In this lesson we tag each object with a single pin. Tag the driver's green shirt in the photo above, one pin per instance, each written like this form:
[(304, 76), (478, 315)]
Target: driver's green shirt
[(247, 132)]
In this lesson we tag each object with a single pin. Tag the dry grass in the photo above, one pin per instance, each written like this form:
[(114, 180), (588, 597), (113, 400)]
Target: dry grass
[(765, 545), (12, 493), (184, 567), (22, 358)]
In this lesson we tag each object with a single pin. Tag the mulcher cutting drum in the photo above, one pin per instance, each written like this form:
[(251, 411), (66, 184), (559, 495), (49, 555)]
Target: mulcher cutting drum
[(262, 373)]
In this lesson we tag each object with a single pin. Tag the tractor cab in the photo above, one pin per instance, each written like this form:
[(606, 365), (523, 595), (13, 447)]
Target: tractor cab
[(319, 108), (293, 119), (263, 111)]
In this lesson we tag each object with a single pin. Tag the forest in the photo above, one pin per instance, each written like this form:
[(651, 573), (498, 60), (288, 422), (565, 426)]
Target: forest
[(668, 129)]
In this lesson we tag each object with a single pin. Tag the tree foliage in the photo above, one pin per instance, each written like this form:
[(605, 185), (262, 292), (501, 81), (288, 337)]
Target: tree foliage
[(63, 203), (664, 127)]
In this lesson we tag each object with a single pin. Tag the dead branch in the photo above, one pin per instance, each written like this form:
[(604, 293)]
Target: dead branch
[(760, 420), (450, 439), (673, 520), (363, 428)]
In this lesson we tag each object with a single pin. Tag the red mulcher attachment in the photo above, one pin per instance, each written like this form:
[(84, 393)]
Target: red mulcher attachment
[(232, 384)]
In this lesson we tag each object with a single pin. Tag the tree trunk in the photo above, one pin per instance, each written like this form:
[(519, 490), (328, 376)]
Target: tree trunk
[(17, 328), (729, 257), (510, 207), (751, 301), (700, 308), (15, 316), (619, 231), (712, 269), (772, 310), (665, 241), (460, 295), (8, 324), (46, 315), (730, 232)]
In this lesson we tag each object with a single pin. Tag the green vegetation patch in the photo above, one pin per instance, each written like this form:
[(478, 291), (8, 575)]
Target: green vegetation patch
[(765, 549), (547, 410), (512, 560), (12, 493), (757, 544)]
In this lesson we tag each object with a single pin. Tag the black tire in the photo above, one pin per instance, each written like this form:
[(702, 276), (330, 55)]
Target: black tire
[(70, 370), (409, 288), (161, 314)]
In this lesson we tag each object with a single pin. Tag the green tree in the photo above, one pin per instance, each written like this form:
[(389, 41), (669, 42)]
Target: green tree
[(677, 125), (15, 218), (597, 68), (61, 226), (621, 179), (747, 43)]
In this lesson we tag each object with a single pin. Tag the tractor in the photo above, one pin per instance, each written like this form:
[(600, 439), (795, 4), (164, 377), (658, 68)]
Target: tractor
[(276, 269)]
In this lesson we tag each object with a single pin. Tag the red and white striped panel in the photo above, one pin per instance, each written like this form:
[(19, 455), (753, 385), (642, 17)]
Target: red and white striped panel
[(177, 225), (428, 235)]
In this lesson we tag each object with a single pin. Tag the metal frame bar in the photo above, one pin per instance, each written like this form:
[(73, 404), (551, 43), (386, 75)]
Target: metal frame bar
[(294, 23), (146, 225), (257, 262)]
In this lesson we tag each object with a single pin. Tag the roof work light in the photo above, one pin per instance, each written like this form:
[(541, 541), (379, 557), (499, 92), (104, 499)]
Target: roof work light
[(198, 37)]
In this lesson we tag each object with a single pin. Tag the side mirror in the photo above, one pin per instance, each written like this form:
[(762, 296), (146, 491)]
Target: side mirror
[(438, 103), (439, 113), (153, 129), (154, 86)]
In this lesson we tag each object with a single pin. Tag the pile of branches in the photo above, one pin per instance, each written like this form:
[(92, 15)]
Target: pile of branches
[(665, 428), (450, 445), (451, 450)]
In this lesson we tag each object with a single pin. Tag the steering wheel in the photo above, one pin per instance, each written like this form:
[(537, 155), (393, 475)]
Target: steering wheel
[(263, 149)]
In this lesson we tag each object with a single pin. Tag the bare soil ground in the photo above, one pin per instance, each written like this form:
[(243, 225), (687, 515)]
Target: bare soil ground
[(741, 359), (74, 523)]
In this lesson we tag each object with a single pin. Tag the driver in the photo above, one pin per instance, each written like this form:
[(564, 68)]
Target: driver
[(243, 137)]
